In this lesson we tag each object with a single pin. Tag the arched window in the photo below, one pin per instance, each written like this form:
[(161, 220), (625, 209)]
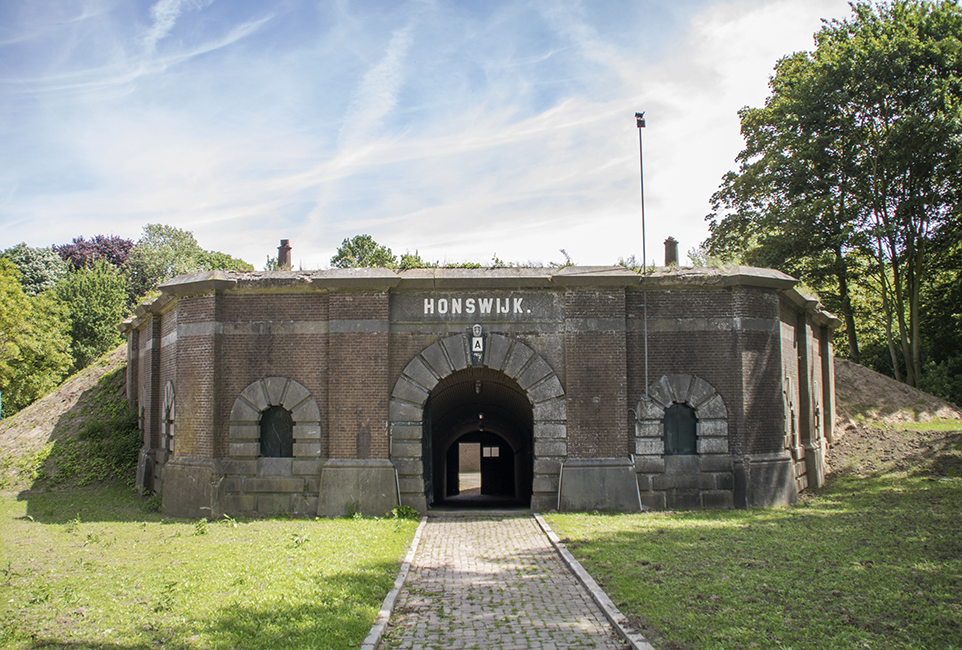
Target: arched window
[(277, 433), (680, 425)]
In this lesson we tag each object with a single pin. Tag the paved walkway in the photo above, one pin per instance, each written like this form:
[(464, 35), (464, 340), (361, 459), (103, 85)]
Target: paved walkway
[(493, 582)]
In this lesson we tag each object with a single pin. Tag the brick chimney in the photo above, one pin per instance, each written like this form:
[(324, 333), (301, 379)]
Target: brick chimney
[(284, 254), (671, 252)]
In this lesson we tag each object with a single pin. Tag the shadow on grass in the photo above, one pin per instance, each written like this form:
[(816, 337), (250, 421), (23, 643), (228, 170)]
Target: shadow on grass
[(102, 503), (333, 611), (866, 561)]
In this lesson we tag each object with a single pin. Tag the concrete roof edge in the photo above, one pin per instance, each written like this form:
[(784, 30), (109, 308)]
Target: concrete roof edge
[(595, 276), (198, 283), (356, 278), (475, 278)]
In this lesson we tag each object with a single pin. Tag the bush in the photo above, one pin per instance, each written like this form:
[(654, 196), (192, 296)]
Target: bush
[(94, 298)]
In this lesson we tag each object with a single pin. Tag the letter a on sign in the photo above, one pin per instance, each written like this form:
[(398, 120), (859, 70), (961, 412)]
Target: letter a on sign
[(477, 344)]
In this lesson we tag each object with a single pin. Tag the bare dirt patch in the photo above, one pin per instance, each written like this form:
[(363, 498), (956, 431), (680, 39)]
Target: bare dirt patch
[(863, 395)]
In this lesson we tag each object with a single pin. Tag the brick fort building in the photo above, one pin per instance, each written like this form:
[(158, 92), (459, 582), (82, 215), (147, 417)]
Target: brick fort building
[(578, 388)]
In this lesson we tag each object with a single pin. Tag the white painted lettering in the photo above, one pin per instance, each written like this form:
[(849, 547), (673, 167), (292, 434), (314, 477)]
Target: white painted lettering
[(517, 306), (443, 306), (469, 305), (455, 305), (503, 310), (428, 306), (485, 304)]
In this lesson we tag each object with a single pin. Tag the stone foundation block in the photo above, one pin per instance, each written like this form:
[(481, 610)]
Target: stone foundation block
[(244, 449), (550, 448), (365, 486), (724, 481), (406, 467), (275, 466), (644, 482), (653, 500), (649, 429), (307, 449), (649, 464), (556, 431), (305, 432), (712, 445), (545, 484), (679, 499), (715, 463), (599, 484), (236, 466), (717, 500), (245, 432), (240, 503), (306, 467), (274, 484), (187, 489), (304, 505), (545, 502), (401, 449), (406, 431), (273, 504), (649, 446), (411, 484), (547, 466)]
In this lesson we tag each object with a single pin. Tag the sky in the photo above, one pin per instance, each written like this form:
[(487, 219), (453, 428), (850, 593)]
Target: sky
[(462, 131)]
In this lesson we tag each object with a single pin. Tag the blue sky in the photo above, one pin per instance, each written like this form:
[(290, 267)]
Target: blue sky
[(461, 130)]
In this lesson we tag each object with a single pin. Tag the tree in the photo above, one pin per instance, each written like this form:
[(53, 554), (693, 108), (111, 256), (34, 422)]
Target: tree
[(40, 268), (34, 347), (212, 260), (363, 251), (164, 252), (852, 168), (161, 253), (93, 300), (82, 252)]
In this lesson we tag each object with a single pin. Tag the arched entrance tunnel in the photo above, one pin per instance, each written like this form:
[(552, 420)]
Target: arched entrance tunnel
[(478, 421)]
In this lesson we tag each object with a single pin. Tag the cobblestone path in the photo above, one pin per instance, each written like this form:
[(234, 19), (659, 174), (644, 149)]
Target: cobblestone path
[(493, 582)]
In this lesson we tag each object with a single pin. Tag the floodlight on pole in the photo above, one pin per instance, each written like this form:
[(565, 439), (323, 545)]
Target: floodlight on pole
[(640, 119)]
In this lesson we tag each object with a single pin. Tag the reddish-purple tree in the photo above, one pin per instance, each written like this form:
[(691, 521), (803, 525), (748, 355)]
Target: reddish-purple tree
[(82, 252)]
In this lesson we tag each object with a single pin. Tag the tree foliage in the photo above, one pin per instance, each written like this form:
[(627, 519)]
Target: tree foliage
[(82, 252), (34, 346), (161, 253), (213, 260), (851, 170), (94, 299), (363, 251), (40, 268), (164, 252)]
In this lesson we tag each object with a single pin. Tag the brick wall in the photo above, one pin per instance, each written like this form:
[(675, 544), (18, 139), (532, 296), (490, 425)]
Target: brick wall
[(274, 335), (196, 387), (689, 332), (359, 386), (595, 371)]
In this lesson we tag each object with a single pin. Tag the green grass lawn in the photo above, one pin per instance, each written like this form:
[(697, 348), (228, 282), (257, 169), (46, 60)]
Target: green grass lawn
[(91, 568), (867, 562)]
